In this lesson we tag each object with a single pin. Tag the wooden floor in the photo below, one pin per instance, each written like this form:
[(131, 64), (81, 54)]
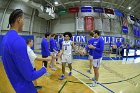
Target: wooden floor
[(118, 76), (50, 84)]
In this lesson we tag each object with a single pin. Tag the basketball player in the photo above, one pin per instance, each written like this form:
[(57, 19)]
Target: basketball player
[(127, 46), (118, 44), (45, 50), (53, 50), (98, 48), (33, 57), (60, 42), (66, 53), (90, 52), (15, 58), (60, 48)]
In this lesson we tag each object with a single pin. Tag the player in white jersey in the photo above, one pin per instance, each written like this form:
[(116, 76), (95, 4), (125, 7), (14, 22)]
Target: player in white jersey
[(66, 53)]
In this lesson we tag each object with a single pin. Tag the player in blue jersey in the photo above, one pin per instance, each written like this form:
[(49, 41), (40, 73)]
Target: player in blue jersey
[(98, 48), (15, 58), (118, 50), (90, 41), (60, 42), (45, 50), (53, 50)]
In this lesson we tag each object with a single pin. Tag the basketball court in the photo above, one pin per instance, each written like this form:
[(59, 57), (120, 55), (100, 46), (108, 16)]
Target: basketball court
[(112, 79), (118, 24)]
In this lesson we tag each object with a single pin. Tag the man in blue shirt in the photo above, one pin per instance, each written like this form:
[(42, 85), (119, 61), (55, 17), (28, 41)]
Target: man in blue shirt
[(60, 42), (118, 50), (90, 41), (127, 46), (45, 49), (53, 50), (98, 48), (15, 58)]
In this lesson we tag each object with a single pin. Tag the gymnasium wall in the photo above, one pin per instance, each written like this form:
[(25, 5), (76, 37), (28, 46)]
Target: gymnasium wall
[(113, 28), (33, 25), (63, 24)]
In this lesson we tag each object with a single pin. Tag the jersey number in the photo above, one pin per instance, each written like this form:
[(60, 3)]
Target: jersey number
[(65, 47)]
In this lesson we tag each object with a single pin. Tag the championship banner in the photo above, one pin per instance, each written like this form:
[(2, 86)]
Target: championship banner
[(125, 29), (73, 9), (109, 11), (80, 24), (118, 13), (106, 25), (86, 9), (137, 42), (89, 23), (135, 30), (98, 24), (98, 9), (116, 26)]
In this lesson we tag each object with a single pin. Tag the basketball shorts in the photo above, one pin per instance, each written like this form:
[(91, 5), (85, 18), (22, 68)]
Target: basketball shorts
[(67, 59), (90, 57), (97, 62), (54, 54)]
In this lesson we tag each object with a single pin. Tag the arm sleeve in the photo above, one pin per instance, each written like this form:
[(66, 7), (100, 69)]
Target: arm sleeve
[(101, 48), (23, 63), (52, 44), (47, 48), (86, 47)]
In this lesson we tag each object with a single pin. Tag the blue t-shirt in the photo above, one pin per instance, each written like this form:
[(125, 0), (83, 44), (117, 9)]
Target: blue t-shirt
[(53, 45), (90, 41), (17, 64), (45, 48), (99, 44), (60, 43), (118, 44)]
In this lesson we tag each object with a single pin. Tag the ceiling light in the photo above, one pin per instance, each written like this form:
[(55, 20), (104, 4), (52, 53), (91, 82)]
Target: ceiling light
[(129, 8), (56, 3)]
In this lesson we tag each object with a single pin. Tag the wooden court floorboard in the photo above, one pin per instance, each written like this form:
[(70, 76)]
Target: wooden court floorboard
[(115, 75), (50, 84)]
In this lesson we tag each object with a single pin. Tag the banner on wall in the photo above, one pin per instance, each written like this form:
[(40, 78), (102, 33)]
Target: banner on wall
[(107, 39), (106, 25), (125, 29), (137, 42), (73, 9), (89, 26), (135, 30), (118, 13), (98, 24), (86, 9), (80, 24), (98, 9), (109, 11)]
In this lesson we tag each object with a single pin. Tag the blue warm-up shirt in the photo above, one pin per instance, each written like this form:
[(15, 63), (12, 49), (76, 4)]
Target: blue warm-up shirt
[(118, 44), (90, 41), (53, 45), (99, 44), (60, 43), (17, 64), (45, 48)]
